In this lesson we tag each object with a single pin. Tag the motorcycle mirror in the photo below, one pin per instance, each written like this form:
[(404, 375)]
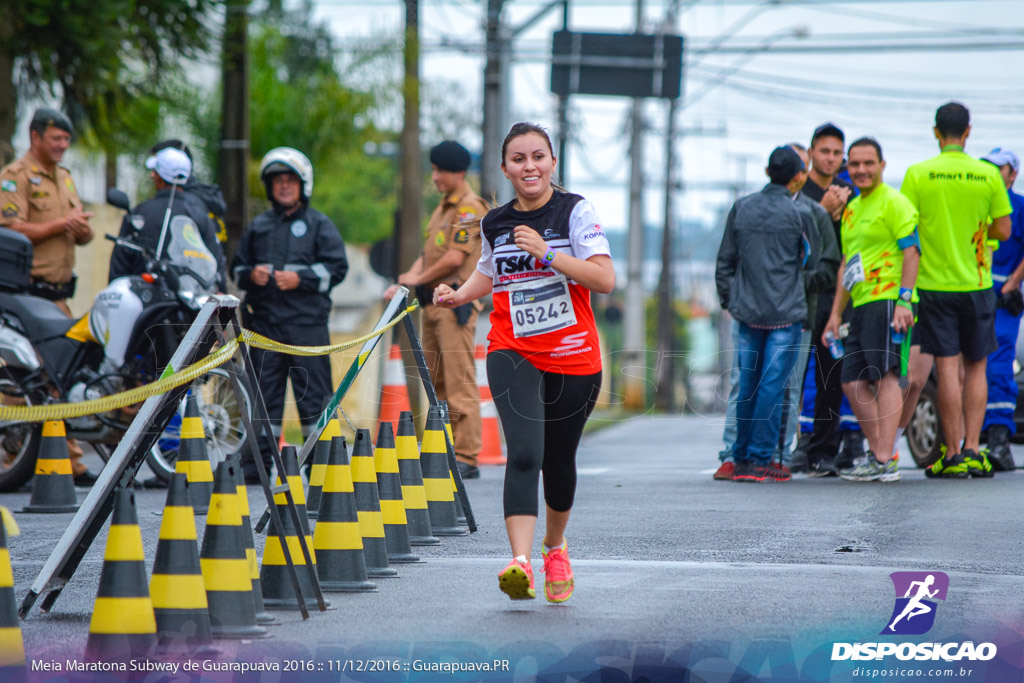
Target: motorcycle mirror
[(116, 197)]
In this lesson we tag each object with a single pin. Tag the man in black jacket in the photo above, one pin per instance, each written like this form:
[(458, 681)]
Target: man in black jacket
[(288, 260), (768, 242), (169, 168)]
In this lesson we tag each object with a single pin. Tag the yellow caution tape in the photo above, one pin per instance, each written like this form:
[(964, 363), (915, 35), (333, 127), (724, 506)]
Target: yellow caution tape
[(259, 341), (64, 411)]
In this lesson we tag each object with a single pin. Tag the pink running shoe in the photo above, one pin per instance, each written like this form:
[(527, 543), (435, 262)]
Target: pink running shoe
[(558, 581), (516, 581)]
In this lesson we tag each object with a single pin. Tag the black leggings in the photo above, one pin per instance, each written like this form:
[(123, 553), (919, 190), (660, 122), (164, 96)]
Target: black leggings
[(542, 414)]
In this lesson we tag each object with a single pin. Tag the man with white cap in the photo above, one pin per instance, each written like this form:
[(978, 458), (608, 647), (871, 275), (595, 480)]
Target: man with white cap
[(169, 169), (1007, 275)]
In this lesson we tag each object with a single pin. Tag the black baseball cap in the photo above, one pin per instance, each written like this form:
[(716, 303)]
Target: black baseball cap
[(828, 129), (783, 164)]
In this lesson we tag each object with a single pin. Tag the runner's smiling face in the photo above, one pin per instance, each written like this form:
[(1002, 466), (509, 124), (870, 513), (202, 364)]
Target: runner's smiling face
[(529, 163), (865, 168)]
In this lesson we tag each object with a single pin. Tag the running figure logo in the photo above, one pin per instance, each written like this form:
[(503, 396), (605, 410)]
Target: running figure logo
[(916, 593)]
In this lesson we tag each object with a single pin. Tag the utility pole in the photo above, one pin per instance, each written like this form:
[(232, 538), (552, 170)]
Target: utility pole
[(664, 392), (234, 136), (411, 198), (490, 160), (563, 117), (634, 352)]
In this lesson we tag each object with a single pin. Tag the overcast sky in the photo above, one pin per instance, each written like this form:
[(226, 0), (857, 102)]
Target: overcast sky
[(769, 95)]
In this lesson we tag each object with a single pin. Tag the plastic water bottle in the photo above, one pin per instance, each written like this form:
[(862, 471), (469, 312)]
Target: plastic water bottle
[(898, 337), (835, 347)]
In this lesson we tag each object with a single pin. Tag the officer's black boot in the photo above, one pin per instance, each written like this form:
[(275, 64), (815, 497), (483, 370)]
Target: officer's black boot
[(852, 449), (798, 461), (999, 448)]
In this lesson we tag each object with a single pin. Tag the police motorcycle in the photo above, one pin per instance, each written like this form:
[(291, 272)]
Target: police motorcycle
[(126, 340)]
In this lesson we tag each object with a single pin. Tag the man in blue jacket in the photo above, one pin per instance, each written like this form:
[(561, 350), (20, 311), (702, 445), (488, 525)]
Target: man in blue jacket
[(768, 242), (1007, 274)]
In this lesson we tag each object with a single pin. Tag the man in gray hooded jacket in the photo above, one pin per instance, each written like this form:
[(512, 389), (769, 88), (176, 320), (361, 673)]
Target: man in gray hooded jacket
[(768, 242)]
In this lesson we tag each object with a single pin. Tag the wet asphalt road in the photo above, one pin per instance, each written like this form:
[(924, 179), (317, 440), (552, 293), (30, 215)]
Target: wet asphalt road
[(662, 554)]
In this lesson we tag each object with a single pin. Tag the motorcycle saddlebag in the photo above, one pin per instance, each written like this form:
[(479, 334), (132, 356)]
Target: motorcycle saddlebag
[(15, 261)]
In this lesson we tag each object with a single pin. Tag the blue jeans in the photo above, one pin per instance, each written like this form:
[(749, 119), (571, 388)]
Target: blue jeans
[(766, 360), (729, 433)]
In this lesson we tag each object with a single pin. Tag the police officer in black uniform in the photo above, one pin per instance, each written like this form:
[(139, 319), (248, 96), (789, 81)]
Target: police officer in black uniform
[(287, 262), (169, 169)]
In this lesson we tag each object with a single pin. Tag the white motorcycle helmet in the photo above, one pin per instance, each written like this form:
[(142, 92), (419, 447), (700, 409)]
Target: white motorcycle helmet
[(287, 160)]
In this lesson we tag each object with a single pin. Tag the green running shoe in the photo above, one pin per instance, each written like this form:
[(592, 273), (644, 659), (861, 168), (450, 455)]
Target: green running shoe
[(978, 464), (952, 467)]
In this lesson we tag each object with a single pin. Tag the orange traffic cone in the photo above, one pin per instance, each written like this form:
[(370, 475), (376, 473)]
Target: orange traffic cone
[(394, 394), (53, 488), (490, 451), (12, 645)]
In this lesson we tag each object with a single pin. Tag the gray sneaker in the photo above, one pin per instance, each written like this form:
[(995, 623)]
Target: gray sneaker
[(869, 469)]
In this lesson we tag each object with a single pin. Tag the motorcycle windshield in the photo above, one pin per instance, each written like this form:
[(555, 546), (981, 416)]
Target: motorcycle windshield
[(186, 249)]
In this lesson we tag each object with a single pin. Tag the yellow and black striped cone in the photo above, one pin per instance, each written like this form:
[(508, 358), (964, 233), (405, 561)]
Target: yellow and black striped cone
[(225, 569), (389, 488), (262, 615), (460, 514), (12, 645), (278, 592), (123, 625), (176, 587), (413, 494), (193, 460), (371, 523), (340, 563), (321, 453), (437, 478), (53, 487)]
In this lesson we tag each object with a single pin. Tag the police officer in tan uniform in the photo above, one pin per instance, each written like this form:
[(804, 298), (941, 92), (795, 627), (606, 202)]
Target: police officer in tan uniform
[(449, 256), (38, 199)]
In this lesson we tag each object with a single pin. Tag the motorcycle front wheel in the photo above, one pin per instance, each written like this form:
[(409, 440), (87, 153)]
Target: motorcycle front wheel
[(19, 443), (221, 415)]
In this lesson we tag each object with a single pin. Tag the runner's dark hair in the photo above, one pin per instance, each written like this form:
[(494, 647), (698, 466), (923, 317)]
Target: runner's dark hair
[(525, 128), (952, 119), (867, 142)]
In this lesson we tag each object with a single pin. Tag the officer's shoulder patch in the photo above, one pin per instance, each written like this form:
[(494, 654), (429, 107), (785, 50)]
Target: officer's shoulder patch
[(462, 236), (439, 239), (9, 210), (36, 180), (466, 213), (9, 185)]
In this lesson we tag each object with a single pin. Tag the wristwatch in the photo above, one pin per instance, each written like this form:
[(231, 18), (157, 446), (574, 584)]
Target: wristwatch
[(906, 294)]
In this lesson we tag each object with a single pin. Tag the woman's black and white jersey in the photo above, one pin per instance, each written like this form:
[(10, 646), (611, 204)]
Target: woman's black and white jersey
[(569, 224)]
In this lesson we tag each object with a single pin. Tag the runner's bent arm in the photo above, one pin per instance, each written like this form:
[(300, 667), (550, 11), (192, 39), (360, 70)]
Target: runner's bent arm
[(595, 273), (476, 286)]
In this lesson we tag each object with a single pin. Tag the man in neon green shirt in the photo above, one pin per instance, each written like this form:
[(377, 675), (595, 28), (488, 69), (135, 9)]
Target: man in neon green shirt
[(961, 203), (881, 252)]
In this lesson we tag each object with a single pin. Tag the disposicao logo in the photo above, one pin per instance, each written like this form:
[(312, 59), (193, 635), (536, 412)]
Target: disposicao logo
[(916, 595)]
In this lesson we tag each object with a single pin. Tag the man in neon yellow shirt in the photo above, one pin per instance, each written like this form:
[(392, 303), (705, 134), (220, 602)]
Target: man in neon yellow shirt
[(961, 203), (881, 252)]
